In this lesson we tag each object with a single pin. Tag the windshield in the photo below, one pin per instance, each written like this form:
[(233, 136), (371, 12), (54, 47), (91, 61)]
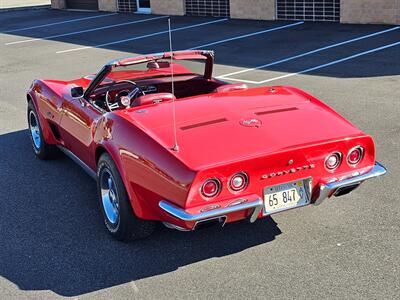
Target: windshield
[(154, 69), (153, 66)]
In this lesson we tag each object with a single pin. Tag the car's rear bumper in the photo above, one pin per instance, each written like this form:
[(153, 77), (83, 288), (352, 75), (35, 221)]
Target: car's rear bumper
[(342, 187), (252, 205)]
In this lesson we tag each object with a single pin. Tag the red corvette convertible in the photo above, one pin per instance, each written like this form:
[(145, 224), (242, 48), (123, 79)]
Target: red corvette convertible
[(168, 144)]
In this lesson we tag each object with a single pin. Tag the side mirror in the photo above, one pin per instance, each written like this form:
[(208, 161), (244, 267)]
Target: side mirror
[(77, 92)]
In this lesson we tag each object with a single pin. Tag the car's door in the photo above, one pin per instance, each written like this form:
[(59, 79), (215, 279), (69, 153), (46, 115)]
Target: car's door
[(77, 125)]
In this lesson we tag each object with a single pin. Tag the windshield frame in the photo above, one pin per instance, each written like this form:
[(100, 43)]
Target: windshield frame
[(206, 55)]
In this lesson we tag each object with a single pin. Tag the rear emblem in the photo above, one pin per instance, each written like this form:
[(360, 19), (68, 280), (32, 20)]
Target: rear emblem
[(253, 122), (288, 171)]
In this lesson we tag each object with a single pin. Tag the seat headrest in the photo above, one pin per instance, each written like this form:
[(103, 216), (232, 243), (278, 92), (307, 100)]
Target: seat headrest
[(230, 87), (153, 98)]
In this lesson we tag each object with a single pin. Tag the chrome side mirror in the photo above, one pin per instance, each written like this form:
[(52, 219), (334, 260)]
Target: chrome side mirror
[(77, 92)]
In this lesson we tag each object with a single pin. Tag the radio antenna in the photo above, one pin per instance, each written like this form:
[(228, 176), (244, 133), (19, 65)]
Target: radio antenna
[(175, 146)]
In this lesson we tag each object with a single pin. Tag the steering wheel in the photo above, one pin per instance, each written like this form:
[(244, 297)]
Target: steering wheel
[(123, 98)]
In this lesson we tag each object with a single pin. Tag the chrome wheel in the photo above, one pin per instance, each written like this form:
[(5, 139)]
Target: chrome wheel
[(109, 197), (35, 130)]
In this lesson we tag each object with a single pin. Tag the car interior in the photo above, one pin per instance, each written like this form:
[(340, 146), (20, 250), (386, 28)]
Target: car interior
[(119, 92)]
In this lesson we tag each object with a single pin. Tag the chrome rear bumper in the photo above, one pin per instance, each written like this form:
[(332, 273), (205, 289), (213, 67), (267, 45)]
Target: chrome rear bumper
[(256, 203), (330, 189), (249, 202)]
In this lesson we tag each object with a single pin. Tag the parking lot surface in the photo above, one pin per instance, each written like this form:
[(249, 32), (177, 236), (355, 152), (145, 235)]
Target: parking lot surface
[(53, 243)]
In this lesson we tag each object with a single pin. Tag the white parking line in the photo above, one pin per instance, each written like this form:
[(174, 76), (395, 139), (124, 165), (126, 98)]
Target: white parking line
[(142, 36), (246, 35), (320, 66), (84, 31), (61, 22), (310, 52)]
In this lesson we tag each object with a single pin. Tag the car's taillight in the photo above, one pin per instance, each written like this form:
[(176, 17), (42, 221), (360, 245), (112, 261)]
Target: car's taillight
[(333, 160), (355, 155), (238, 182), (210, 188)]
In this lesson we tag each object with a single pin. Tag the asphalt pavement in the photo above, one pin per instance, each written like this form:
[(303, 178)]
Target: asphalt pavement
[(53, 243)]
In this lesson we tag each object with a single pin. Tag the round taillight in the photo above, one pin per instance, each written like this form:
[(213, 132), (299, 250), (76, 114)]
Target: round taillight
[(355, 155), (211, 188), (238, 182), (333, 160)]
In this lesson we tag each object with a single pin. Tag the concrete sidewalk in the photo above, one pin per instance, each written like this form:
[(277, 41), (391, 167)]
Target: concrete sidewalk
[(10, 4)]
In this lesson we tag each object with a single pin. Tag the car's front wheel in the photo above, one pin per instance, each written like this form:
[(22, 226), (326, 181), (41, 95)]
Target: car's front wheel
[(39, 145), (117, 211)]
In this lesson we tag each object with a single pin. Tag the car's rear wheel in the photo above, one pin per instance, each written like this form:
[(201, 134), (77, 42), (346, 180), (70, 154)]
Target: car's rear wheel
[(39, 145), (116, 208)]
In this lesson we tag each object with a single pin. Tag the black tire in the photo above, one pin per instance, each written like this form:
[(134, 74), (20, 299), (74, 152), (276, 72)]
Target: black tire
[(118, 215), (40, 147)]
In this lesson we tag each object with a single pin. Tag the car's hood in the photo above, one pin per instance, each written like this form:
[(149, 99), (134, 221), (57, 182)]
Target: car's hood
[(226, 127)]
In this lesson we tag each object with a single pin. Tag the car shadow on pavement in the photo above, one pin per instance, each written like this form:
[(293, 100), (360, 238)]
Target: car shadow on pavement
[(52, 236)]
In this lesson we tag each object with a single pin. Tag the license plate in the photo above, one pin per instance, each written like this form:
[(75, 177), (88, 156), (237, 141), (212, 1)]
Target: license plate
[(287, 196)]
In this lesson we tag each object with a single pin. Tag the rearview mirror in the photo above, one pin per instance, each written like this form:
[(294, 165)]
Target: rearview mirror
[(158, 64), (164, 64), (77, 92)]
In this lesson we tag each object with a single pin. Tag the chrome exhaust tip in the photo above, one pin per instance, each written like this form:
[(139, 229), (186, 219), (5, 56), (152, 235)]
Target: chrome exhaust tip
[(217, 221), (345, 190)]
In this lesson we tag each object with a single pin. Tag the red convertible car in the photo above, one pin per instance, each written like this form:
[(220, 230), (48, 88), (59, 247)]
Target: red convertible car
[(168, 144)]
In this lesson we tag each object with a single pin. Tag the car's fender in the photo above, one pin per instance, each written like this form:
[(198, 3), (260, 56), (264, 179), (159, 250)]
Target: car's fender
[(40, 92), (149, 171)]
